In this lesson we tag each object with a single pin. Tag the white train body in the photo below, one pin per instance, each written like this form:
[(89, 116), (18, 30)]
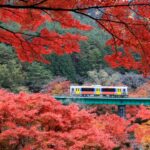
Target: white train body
[(98, 90)]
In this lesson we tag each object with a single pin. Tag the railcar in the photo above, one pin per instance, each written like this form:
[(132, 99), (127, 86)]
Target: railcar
[(98, 90)]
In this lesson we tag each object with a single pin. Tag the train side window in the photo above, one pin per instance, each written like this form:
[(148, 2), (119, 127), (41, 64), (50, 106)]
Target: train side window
[(108, 89)]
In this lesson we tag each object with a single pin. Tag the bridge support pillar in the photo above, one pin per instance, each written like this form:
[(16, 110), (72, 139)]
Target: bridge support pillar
[(122, 111)]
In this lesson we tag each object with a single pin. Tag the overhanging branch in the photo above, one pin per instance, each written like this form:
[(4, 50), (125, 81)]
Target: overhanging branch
[(34, 6)]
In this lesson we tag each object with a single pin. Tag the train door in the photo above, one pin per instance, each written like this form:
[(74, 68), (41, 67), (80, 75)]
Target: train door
[(77, 91), (119, 91), (97, 92)]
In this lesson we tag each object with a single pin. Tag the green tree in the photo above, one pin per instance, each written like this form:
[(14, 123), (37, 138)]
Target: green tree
[(90, 57), (17, 76), (37, 76), (11, 76), (11, 73), (62, 66), (92, 52)]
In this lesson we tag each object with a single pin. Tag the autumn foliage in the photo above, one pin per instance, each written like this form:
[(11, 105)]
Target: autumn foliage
[(38, 121), (59, 86), (126, 21)]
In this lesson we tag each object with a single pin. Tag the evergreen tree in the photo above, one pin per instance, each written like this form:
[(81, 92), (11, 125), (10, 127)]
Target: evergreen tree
[(62, 66), (11, 73), (16, 75), (37, 76)]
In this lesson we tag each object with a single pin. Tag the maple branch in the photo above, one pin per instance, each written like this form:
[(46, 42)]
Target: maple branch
[(31, 35), (116, 21), (20, 40), (70, 9), (97, 20), (77, 10), (127, 26), (114, 38), (134, 35), (146, 24), (145, 19), (17, 32)]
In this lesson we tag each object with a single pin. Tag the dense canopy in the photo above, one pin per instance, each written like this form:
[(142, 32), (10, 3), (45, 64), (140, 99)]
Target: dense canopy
[(126, 21)]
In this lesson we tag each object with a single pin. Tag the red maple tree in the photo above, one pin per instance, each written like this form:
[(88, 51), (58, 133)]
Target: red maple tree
[(126, 21)]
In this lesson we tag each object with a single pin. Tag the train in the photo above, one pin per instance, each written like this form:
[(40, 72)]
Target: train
[(99, 91)]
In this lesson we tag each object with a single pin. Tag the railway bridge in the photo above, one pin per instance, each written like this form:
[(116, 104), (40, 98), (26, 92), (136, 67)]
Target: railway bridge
[(120, 102)]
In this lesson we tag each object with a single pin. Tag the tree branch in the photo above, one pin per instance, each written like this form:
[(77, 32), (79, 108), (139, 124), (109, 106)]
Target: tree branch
[(34, 6)]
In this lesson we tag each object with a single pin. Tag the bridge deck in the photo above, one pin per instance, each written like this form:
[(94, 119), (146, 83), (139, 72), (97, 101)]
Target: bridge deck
[(104, 100)]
